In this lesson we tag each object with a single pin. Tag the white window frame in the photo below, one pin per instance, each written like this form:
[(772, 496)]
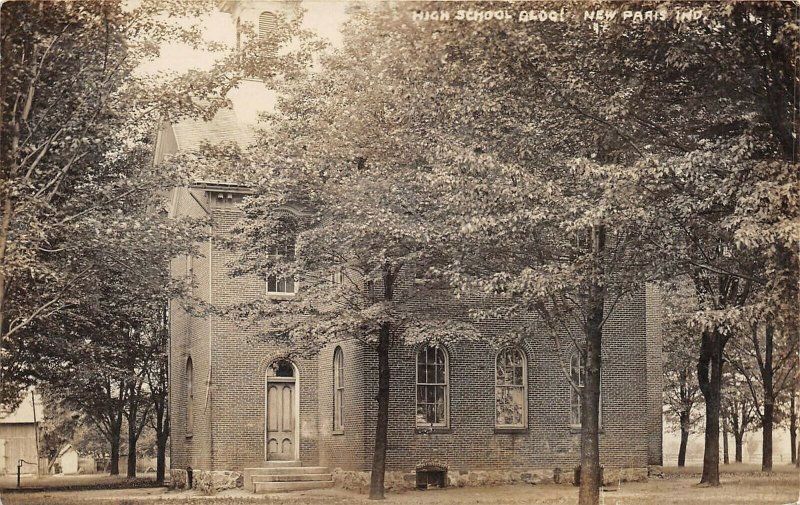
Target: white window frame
[(524, 424), (446, 421)]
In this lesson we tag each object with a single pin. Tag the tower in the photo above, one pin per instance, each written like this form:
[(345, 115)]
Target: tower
[(252, 97)]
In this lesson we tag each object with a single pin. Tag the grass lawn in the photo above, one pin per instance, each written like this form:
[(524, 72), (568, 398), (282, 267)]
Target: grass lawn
[(741, 484)]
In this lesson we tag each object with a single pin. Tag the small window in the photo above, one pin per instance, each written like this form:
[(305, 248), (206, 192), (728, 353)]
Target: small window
[(338, 390), (189, 397), (267, 23), (511, 389), (577, 370), (337, 277), (432, 394)]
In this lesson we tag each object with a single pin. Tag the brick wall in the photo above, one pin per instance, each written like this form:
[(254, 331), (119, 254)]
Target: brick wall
[(189, 337), (230, 417), (655, 372)]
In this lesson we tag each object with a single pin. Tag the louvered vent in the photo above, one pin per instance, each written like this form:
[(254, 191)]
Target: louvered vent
[(267, 23)]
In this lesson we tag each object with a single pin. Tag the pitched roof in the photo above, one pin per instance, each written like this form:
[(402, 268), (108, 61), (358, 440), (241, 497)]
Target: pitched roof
[(223, 127)]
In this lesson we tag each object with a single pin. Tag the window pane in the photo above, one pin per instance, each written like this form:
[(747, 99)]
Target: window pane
[(430, 394), (439, 356), (421, 419), (271, 284), (510, 406), (440, 374), (431, 373), (430, 413), (420, 394), (289, 285), (439, 410), (421, 376)]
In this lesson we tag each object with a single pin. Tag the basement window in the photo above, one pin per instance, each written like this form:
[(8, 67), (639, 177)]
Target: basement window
[(431, 479)]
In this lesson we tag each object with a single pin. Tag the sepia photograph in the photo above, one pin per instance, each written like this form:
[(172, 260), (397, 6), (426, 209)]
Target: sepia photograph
[(333, 252)]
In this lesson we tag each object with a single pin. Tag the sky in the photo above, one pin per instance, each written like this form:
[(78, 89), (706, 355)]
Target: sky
[(323, 16), (250, 98)]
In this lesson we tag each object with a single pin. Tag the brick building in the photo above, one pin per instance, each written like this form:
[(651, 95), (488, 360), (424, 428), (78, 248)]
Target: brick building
[(237, 401), (469, 412)]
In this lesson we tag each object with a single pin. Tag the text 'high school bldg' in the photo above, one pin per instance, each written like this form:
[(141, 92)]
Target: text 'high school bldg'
[(244, 412)]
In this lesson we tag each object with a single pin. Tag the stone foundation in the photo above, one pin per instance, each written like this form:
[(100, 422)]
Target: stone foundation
[(404, 481), (210, 482), (178, 479)]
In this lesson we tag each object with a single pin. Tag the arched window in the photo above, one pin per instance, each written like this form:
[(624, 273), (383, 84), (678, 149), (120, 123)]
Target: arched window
[(338, 390), (577, 371), (267, 23), (432, 381), (189, 397), (511, 389)]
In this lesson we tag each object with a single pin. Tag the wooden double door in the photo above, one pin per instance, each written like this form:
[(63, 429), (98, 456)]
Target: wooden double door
[(281, 421)]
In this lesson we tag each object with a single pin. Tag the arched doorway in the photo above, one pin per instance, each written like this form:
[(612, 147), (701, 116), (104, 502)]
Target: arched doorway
[(282, 412)]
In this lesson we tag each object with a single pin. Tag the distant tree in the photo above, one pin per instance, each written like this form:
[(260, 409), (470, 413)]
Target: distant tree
[(157, 380), (57, 429), (767, 359), (738, 409), (681, 388)]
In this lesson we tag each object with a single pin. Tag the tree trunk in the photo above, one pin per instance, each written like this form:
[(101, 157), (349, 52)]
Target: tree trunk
[(709, 373), (376, 491), (766, 441), (793, 426), (161, 458), (769, 400), (738, 439), (589, 493), (132, 447), (382, 426), (726, 460), (684, 439), (113, 464), (162, 435), (133, 412)]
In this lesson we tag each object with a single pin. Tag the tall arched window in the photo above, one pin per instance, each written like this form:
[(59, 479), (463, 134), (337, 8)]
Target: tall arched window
[(267, 23), (432, 381), (511, 389), (577, 371), (338, 390), (189, 397)]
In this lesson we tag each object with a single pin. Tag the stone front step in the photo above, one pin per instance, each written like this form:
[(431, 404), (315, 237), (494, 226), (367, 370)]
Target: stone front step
[(273, 474), (293, 477), (287, 471), (282, 487)]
